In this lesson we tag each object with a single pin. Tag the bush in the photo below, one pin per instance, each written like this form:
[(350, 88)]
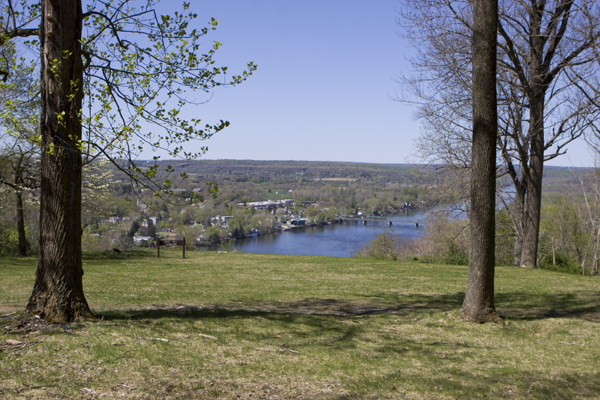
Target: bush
[(564, 264), (383, 247), (212, 234), (8, 238), (456, 255)]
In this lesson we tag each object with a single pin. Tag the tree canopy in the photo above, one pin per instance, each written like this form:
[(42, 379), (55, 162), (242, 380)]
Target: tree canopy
[(540, 109), (137, 69)]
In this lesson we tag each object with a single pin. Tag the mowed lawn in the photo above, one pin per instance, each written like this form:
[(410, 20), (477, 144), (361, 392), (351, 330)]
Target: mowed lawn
[(253, 326)]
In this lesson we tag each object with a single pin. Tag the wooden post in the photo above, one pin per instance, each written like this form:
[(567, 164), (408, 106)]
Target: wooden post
[(170, 243)]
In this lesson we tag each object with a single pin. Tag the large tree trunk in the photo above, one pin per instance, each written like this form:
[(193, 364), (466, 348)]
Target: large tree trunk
[(533, 204), (22, 243), (536, 96), (58, 289), (478, 305)]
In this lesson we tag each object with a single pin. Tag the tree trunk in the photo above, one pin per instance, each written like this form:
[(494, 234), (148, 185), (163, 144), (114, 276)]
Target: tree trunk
[(536, 94), (518, 218), (22, 243), (534, 183), (478, 305), (58, 289)]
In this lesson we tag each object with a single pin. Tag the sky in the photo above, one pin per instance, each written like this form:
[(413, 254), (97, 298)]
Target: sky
[(325, 85)]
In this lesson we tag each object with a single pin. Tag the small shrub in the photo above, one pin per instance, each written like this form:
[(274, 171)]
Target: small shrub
[(564, 264), (383, 247), (227, 245), (456, 255)]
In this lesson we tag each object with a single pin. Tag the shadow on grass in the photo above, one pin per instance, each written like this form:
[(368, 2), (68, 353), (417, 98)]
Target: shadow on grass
[(513, 305), (445, 367), (498, 382), (583, 304)]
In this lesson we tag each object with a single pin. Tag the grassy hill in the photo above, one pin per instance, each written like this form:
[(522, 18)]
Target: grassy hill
[(287, 327)]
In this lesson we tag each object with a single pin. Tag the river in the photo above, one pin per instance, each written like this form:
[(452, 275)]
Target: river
[(336, 240)]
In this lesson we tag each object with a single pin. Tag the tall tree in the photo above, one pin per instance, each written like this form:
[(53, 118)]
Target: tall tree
[(135, 63), (19, 170), (540, 111), (478, 305), (19, 133)]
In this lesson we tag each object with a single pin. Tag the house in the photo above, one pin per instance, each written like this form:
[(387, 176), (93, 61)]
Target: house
[(138, 239), (153, 220), (259, 205)]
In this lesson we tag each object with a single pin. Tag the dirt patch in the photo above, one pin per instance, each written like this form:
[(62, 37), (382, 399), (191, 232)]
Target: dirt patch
[(29, 325)]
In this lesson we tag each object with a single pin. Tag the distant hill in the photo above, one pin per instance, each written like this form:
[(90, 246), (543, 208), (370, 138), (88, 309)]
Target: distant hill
[(397, 173), (557, 180)]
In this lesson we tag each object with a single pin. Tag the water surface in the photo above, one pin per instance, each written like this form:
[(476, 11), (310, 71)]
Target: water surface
[(336, 240)]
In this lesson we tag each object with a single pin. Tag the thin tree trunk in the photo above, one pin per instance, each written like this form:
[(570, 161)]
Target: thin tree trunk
[(22, 243), (518, 218), (478, 305), (58, 290)]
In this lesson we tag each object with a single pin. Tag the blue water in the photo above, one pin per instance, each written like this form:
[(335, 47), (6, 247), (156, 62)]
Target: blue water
[(336, 240)]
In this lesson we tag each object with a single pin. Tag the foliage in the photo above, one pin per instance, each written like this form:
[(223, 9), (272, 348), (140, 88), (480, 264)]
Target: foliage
[(8, 239), (561, 262), (212, 234), (141, 69), (383, 247), (455, 255), (505, 239), (564, 235), (445, 240), (227, 245)]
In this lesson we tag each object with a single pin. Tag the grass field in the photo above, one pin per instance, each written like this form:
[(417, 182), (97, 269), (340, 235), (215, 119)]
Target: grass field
[(250, 326)]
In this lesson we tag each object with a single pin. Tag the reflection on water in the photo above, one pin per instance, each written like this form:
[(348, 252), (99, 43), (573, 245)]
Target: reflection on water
[(336, 240)]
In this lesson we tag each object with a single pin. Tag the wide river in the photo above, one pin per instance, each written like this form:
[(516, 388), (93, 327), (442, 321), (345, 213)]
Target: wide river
[(336, 240)]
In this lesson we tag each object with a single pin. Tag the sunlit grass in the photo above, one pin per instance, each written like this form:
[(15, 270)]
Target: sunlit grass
[(290, 327)]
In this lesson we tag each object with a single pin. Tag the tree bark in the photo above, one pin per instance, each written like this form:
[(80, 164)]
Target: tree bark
[(58, 290), (22, 239), (478, 305)]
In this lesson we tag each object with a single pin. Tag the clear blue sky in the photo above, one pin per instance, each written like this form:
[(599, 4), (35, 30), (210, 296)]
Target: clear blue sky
[(324, 86)]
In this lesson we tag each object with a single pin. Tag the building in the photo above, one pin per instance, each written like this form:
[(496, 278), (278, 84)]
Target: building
[(298, 222), (259, 205)]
